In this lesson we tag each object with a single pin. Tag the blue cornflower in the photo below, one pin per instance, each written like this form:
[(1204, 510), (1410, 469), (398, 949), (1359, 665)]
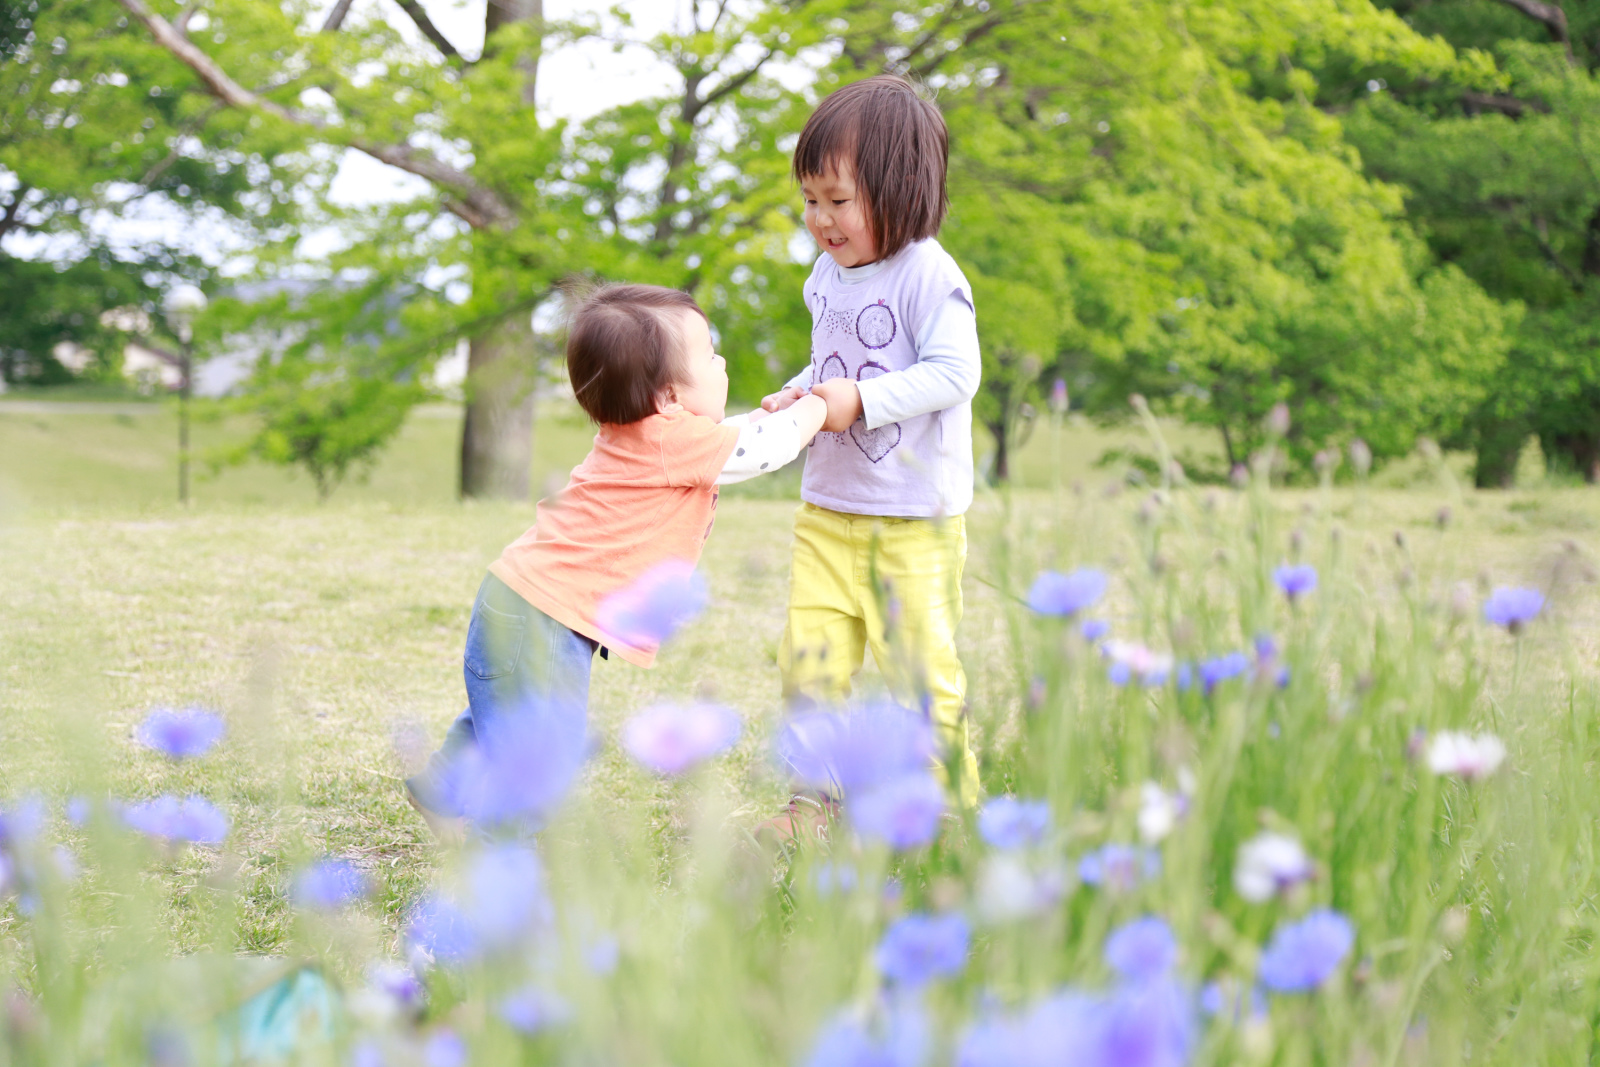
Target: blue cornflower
[(1142, 950), (1054, 593), (652, 609), (399, 984), (1221, 668), (858, 749), (1060, 1029), (1145, 1024), (439, 931), (531, 1010), (444, 1048), (1184, 677), (522, 767), (671, 738), (1303, 955), (1094, 629), (1119, 673), (601, 954), (22, 823), (899, 1039), (1119, 867), (1296, 580), (831, 878), (903, 812), (919, 948), (193, 819), (1006, 822), (1513, 608), (181, 734), (329, 884), (504, 893), (78, 810)]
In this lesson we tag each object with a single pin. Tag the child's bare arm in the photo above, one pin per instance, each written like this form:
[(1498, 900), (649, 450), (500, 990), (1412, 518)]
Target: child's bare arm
[(843, 401)]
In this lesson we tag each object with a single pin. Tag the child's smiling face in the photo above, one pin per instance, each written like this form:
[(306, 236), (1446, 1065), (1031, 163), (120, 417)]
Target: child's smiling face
[(837, 216), (703, 388)]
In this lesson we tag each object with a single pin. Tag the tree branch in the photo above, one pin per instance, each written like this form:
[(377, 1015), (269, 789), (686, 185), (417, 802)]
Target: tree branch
[(430, 31), (479, 206), (1476, 102), (335, 17), (737, 82), (1553, 17), (181, 23), (8, 221)]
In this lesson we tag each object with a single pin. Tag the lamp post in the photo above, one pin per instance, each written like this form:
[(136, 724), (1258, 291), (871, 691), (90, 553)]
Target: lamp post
[(182, 304)]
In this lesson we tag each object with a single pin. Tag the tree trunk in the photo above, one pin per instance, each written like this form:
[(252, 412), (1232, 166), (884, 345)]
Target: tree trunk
[(497, 436), (1002, 452)]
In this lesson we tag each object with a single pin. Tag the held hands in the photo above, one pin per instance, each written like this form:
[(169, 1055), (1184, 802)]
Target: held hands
[(843, 400), (782, 398)]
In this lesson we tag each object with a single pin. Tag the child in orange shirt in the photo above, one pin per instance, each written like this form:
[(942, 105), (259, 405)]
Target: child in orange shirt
[(642, 503)]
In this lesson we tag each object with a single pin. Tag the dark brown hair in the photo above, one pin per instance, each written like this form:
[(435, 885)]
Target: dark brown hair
[(625, 349), (896, 143)]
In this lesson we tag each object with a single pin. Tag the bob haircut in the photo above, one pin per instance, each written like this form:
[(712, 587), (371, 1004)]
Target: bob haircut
[(625, 349), (898, 147)]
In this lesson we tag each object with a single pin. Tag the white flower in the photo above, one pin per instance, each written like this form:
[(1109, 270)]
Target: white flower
[(1159, 811), (1465, 756), (1008, 889), (1270, 863)]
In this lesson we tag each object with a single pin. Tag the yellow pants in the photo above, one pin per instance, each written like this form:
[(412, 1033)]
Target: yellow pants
[(892, 583)]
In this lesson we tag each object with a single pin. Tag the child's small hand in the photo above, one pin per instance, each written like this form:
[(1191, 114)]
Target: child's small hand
[(782, 398), (844, 403)]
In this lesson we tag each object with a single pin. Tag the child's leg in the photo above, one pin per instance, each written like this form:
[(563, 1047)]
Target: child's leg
[(518, 661), (911, 623), (825, 636)]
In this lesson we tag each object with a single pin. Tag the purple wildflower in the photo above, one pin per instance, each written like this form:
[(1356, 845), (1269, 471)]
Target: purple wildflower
[(22, 823), (329, 884), (900, 1039), (193, 819), (444, 1048), (1119, 867), (1142, 950), (856, 750), (504, 893), (1513, 608), (652, 609), (181, 734), (1094, 629), (1296, 580), (398, 983), (919, 948), (439, 931), (1006, 822), (1220, 668), (522, 767), (531, 1010), (903, 812), (670, 739), (1054, 593), (1303, 955)]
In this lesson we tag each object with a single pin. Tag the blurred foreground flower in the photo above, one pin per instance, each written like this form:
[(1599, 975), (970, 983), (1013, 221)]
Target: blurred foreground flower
[(1094, 629), (1054, 593), (903, 812), (444, 1048), (1009, 887), (899, 1039), (531, 1010), (193, 819), (1464, 755), (500, 898), (653, 608), (670, 739), (1130, 659), (1513, 608), (1219, 669), (1119, 867), (1159, 812), (1296, 580), (1142, 949), (919, 948), (181, 734), (1006, 822), (523, 766), (329, 884), (1303, 955), (1269, 864), (1230, 1000), (858, 749)]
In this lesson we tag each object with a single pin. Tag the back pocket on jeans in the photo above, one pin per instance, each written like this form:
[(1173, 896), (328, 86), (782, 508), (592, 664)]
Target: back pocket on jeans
[(494, 642)]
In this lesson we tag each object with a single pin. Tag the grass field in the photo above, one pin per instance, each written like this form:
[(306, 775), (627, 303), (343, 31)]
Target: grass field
[(330, 638)]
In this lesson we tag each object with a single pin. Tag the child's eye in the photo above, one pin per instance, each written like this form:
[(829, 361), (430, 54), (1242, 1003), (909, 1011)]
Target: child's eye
[(836, 203)]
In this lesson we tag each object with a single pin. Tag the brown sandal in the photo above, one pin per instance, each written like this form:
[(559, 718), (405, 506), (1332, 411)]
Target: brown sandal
[(804, 818)]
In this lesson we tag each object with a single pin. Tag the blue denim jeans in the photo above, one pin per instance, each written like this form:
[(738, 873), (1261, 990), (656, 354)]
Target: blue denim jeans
[(518, 661)]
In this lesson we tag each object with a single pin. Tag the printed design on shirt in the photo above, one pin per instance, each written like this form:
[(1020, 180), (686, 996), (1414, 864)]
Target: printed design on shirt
[(837, 321), (821, 313), (832, 367), (875, 325), (874, 444)]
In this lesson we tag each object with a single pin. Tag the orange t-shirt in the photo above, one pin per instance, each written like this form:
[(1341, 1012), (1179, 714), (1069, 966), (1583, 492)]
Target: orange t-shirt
[(646, 493)]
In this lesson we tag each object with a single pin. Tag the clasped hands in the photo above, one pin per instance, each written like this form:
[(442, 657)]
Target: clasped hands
[(840, 394)]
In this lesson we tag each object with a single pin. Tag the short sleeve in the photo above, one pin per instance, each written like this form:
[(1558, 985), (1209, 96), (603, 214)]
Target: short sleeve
[(694, 449), (934, 278)]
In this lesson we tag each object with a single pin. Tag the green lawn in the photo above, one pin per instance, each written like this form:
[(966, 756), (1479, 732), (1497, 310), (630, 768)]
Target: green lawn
[(330, 635)]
